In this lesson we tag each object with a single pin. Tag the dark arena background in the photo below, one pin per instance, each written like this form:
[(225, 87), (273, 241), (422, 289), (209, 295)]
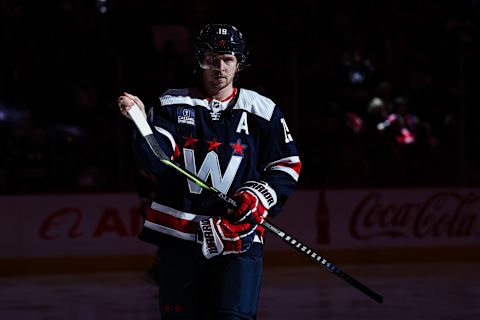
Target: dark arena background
[(382, 100)]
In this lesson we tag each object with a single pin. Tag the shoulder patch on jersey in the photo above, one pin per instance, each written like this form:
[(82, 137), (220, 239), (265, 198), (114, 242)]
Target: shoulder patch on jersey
[(180, 96), (255, 103)]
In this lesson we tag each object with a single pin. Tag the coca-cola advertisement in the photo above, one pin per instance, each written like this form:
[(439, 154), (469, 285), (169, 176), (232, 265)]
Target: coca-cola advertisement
[(402, 217), (381, 218)]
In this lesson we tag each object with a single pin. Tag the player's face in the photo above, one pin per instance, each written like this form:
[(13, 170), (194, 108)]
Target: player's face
[(219, 70)]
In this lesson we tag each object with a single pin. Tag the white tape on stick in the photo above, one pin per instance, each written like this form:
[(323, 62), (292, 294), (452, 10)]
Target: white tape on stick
[(140, 121)]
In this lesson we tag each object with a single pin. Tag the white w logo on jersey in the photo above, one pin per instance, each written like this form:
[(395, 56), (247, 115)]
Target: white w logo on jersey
[(211, 167)]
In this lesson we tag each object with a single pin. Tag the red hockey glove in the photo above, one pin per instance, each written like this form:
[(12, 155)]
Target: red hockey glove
[(236, 232), (254, 199)]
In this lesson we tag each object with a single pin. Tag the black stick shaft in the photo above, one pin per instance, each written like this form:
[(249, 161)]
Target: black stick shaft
[(321, 260)]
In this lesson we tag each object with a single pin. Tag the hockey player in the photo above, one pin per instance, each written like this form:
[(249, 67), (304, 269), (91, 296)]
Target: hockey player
[(210, 256)]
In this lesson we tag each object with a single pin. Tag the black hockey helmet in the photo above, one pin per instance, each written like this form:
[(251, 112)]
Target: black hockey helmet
[(222, 38)]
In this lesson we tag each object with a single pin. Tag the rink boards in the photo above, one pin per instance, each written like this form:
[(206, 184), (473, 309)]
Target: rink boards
[(95, 232)]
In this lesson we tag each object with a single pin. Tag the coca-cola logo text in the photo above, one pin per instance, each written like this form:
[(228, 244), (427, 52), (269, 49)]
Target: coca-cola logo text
[(443, 214)]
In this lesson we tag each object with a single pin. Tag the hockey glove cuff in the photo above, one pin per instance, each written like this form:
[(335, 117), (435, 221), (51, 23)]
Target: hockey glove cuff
[(219, 236)]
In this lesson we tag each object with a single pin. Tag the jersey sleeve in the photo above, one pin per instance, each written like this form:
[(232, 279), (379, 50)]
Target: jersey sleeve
[(163, 128), (280, 160)]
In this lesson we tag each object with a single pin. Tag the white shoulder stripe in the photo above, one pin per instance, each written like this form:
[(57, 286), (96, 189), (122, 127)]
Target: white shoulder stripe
[(181, 96), (255, 103), (168, 135)]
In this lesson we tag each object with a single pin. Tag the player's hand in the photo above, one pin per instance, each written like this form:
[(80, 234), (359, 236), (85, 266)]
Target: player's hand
[(235, 232), (126, 101), (253, 199), (219, 236)]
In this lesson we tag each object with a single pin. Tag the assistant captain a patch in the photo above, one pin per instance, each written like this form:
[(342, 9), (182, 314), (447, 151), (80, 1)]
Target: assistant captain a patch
[(186, 116)]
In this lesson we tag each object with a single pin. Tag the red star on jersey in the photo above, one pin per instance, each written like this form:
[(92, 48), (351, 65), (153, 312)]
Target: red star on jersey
[(238, 147), (189, 141), (213, 144)]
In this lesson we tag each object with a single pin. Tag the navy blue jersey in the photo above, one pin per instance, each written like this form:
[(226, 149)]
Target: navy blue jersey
[(224, 143)]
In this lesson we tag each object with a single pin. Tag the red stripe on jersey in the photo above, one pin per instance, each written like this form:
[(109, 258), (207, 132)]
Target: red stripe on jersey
[(172, 222), (292, 165), (176, 153)]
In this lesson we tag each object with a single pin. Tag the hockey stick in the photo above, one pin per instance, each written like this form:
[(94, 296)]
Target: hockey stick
[(147, 133)]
